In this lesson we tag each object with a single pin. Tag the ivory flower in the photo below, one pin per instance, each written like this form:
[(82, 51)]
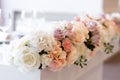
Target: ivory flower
[(42, 41), (26, 59), (81, 33), (72, 56)]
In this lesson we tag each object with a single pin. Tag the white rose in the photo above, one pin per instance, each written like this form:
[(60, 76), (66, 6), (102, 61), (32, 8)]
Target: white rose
[(42, 41), (26, 59), (29, 60)]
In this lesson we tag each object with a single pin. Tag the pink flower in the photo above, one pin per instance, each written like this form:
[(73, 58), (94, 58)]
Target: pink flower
[(91, 25), (95, 40), (59, 34), (67, 45), (70, 33), (76, 18), (69, 26)]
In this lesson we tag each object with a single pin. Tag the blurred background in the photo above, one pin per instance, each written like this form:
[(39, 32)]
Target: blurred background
[(19, 13), (18, 17)]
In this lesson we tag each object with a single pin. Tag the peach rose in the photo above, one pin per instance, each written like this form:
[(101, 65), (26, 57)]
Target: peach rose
[(72, 56), (81, 33), (57, 64), (59, 58)]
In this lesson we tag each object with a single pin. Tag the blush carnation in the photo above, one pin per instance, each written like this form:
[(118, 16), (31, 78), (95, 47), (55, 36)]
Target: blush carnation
[(91, 25), (69, 26), (67, 45), (77, 18), (95, 40)]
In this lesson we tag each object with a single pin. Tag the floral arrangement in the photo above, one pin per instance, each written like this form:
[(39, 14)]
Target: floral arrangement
[(74, 42)]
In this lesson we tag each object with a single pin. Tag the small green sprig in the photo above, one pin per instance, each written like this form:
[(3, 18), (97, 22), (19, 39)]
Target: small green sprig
[(82, 61), (108, 48)]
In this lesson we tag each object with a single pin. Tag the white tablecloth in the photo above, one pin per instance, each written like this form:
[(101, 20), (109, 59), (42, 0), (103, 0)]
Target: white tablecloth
[(11, 73)]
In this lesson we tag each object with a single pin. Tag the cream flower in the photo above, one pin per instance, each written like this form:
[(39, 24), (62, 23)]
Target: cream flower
[(45, 60), (72, 56), (19, 43), (104, 33), (42, 41), (26, 59), (81, 32)]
